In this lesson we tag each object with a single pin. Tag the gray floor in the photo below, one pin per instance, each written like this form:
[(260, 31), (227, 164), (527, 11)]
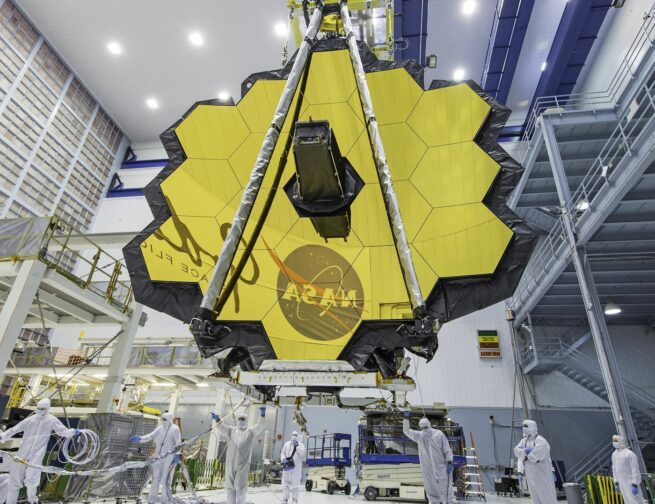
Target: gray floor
[(274, 496)]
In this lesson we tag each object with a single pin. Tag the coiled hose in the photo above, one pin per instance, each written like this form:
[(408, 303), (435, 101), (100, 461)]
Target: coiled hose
[(81, 449)]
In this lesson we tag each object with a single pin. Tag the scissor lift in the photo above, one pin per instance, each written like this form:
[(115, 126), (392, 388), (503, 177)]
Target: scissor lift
[(388, 461), (328, 456)]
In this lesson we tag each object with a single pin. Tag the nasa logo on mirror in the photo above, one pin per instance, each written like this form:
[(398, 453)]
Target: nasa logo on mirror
[(321, 295)]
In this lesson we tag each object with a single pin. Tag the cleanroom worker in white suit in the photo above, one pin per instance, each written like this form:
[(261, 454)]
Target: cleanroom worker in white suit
[(292, 453), (36, 431), (167, 439), (625, 471), (240, 440), (435, 456), (533, 459)]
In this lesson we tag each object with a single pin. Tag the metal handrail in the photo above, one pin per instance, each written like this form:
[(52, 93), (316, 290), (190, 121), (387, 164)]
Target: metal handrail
[(596, 459), (142, 356), (541, 262), (101, 273), (631, 126), (47, 239), (593, 100), (555, 346), (600, 177), (638, 398)]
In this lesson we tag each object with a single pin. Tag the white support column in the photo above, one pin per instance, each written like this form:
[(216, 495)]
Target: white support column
[(17, 306), (32, 389), (125, 395), (609, 368), (118, 364), (175, 398), (214, 437)]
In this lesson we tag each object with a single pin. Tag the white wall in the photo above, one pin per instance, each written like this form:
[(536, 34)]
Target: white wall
[(149, 150), (634, 347), (127, 215), (457, 376), (614, 39)]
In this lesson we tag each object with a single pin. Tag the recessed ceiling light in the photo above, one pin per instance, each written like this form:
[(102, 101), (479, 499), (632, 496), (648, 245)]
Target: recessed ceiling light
[(99, 376), (543, 66), (152, 103), (468, 7), (114, 48), (164, 384), (281, 29), (224, 96), (203, 385), (458, 74), (582, 206), (524, 103), (196, 39), (612, 309)]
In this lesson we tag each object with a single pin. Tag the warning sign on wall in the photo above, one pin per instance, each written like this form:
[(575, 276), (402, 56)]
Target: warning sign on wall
[(489, 344)]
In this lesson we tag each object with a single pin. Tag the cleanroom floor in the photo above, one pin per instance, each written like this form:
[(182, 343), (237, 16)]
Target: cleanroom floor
[(273, 495)]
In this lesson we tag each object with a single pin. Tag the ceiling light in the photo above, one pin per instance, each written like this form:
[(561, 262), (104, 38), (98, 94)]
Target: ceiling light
[(202, 385), (468, 7), (196, 39), (224, 96), (281, 29), (164, 384), (99, 376), (152, 103), (458, 74), (612, 309), (114, 48), (582, 205), (544, 65)]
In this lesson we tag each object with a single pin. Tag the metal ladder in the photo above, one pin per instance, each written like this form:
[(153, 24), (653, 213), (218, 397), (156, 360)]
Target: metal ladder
[(473, 485)]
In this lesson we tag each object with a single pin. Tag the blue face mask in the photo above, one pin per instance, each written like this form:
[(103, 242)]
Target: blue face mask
[(616, 446)]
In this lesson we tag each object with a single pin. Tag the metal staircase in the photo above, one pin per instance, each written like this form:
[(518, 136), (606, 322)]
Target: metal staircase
[(619, 165), (597, 461), (614, 174), (561, 353), (581, 369)]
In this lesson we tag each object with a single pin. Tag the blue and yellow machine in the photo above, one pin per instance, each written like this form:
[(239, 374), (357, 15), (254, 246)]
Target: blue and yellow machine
[(328, 456), (387, 461)]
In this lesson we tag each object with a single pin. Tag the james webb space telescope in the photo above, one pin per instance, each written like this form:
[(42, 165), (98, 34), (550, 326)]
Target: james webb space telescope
[(333, 218)]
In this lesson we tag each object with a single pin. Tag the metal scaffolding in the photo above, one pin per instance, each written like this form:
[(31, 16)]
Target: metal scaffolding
[(588, 162)]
